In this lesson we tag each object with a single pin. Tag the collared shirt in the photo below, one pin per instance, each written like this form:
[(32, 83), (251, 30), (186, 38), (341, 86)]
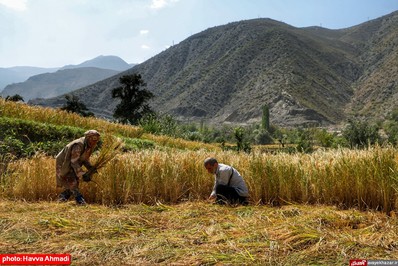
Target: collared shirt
[(229, 176)]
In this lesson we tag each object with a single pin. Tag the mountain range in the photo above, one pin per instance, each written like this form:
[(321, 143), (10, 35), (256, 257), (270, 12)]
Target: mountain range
[(16, 74), (48, 83), (226, 74)]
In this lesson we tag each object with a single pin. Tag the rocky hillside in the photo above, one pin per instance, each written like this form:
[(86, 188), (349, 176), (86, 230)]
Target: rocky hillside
[(305, 75), (376, 90)]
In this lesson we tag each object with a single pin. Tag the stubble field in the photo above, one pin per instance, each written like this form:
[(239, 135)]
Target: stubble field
[(197, 233)]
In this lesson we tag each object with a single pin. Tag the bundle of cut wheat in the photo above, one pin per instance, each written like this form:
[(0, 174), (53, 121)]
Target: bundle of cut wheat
[(111, 146)]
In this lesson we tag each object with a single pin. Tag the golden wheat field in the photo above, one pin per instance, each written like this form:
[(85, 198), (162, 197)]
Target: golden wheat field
[(149, 207), (366, 179)]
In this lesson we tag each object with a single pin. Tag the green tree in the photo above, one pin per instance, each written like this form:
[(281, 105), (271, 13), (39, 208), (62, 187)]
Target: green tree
[(262, 136), (74, 105), (280, 135), (241, 143), (391, 129), (360, 134), (324, 138), (265, 118), (133, 105), (305, 140), (15, 98)]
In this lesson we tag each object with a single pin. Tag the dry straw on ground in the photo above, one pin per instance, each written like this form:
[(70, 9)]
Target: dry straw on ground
[(197, 233)]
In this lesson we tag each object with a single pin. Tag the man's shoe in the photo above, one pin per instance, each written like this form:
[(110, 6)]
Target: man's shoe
[(80, 200), (64, 196), (62, 199)]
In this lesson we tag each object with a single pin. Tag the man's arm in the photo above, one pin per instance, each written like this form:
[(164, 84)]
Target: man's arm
[(213, 192)]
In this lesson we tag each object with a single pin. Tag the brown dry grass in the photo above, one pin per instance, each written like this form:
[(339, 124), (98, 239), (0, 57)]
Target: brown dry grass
[(197, 233)]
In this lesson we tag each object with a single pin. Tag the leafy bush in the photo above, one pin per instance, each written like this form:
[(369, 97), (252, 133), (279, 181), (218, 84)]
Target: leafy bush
[(324, 138), (361, 134), (305, 141), (262, 136), (160, 125), (137, 144), (13, 146), (391, 129)]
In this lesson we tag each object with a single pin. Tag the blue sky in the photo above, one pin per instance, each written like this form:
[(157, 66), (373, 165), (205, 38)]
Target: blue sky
[(54, 33)]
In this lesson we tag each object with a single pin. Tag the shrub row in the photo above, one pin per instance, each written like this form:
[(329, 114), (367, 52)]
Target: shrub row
[(24, 138)]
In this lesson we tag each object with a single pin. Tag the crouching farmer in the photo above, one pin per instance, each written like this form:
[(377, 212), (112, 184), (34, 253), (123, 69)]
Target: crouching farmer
[(69, 164), (229, 186)]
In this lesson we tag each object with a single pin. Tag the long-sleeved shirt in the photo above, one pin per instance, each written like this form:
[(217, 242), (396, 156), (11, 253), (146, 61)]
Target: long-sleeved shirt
[(229, 176), (71, 158)]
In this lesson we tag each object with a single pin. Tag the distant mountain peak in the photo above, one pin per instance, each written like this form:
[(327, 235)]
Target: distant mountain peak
[(111, 62)]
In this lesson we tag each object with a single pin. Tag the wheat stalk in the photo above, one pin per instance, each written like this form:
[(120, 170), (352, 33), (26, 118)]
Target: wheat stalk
[(111, 146)]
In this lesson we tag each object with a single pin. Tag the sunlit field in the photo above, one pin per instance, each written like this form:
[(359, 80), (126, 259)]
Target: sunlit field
[(59, 117), (197, 233), (366, 179), (149, 206)]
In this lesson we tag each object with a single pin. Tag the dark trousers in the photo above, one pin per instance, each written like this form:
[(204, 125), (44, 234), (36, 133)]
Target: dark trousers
[(228, 195)]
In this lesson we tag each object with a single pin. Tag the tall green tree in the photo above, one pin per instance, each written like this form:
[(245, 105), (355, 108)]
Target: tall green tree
[(241, 143), (265, 118), (74, 105), (360, 134), (134, 98)]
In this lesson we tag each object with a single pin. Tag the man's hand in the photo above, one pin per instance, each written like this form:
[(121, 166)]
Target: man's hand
[(92, 170), (86, 177)]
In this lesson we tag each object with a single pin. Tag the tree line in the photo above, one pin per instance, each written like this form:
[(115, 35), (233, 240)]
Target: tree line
[(134, 109)]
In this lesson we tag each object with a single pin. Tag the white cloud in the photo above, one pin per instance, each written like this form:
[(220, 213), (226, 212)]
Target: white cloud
[(145, 47), (18, 5), (144, 32), (158, 4)]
